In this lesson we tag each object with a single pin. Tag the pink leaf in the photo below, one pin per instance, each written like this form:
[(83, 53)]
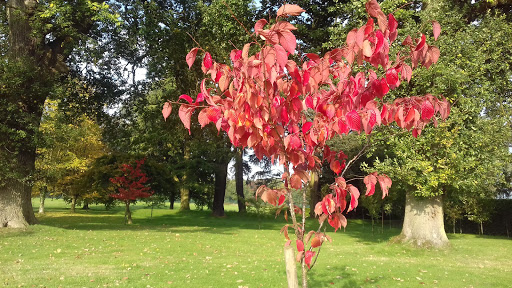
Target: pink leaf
[(385, 183), (288, 41), (289, 10), (191, 57), (354, 195), (185, 113), (295, 181), (353, 120), (427, 110), (166, 111), (437, 29), (370, 182), (259, 25), (306, 127)]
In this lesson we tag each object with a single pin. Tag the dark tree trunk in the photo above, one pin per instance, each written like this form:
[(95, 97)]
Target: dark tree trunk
[(22, 115), (128, 213), (221, 174), (314, 192), (239, 179), (172, 198), (184, 190), (85, 206), (423, 222)]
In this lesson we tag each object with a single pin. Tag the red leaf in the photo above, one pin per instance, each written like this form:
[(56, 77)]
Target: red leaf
[(336, 167), (392, 23), (334, 221), (300, 245), (289, 10), (306, 127), (166, 111), (185, 113), (186, 98), (308, 257), (353, 120), (282, 198), (392, 77), (427, 110), (207, 60), (191, 57), (295, 181), (203, 117), (437, 29), (421, 43)]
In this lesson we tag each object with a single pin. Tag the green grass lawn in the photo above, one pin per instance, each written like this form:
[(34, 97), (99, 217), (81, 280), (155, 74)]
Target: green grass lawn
[(95, 249)]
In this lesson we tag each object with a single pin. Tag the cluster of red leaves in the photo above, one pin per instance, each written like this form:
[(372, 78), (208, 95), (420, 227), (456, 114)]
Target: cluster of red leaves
[(131, 185), (286, 110)]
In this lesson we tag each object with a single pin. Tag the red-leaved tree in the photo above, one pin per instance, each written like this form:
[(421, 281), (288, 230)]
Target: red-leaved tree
[(285, 106), (130, 186)]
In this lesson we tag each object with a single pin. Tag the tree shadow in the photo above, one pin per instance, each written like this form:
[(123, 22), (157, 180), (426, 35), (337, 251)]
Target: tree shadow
[(336, 276)]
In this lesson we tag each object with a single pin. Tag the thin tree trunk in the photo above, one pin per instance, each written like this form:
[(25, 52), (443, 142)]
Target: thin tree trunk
[(314, 192), (239, 180), (423, 222), (184, 190), (221, 174), (42, 197), (128, 213)]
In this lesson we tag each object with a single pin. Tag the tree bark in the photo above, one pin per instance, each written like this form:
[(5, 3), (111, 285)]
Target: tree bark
[(171, 201), (184, 190), (73, 203), (42, 197), (239, 180), (221, 174), (291, 267), (314, 192), (128, 213), (423, 223)]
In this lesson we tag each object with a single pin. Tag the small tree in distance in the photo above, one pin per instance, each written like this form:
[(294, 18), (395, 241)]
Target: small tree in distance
[(286, 111), (131, 185)]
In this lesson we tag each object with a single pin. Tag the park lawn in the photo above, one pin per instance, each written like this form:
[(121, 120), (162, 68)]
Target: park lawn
[(174, 249)]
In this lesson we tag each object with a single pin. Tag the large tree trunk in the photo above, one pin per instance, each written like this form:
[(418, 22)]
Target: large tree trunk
[(184, 190), (221, 174), (423, 222), (239, 180), (22, 115), (314, 192)]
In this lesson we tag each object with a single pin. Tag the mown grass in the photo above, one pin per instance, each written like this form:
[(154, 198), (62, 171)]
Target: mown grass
[(174, 249)]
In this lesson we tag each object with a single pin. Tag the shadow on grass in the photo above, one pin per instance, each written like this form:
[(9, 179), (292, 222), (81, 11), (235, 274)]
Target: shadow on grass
[(337, 276), (97, 218)]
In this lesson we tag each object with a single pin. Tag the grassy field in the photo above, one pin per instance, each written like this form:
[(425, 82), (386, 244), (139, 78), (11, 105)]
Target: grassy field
[(95, 249)]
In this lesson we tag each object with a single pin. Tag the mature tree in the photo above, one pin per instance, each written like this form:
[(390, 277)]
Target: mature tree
[(466, 156), (40, 36), (67, 148)]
